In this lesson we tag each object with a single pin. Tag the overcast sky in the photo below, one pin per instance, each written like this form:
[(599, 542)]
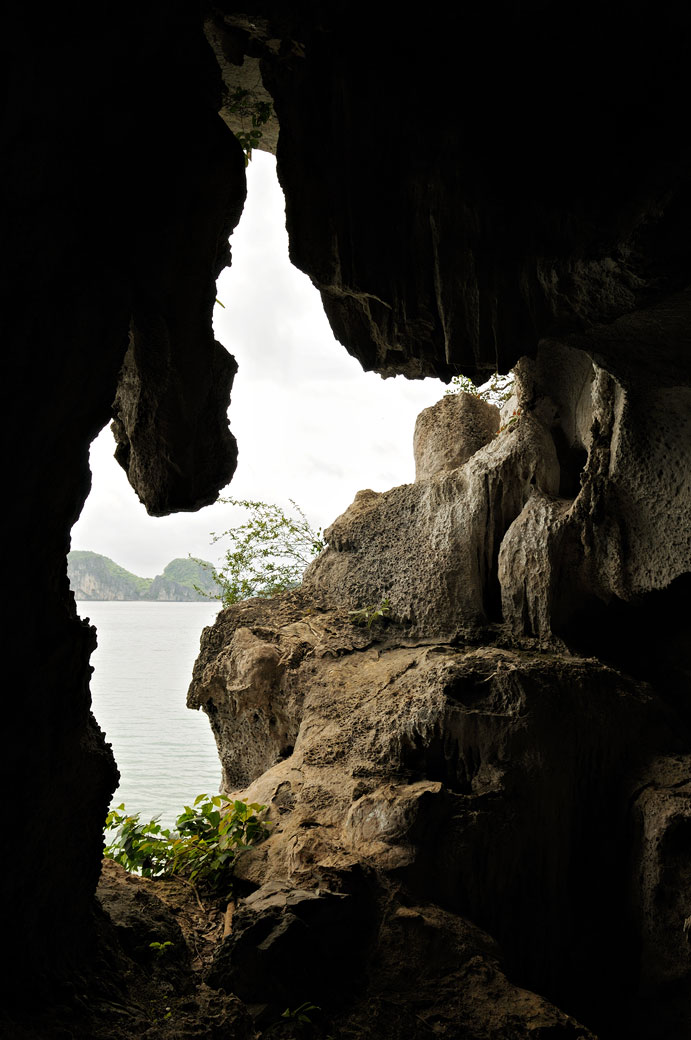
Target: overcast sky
[(310, 424)]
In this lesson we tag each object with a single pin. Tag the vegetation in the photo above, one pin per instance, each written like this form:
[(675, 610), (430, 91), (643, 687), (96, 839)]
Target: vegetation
[(496, 391), (95, 577), (201, 848), (302, 1013), (252, 113), (268, 552), (369, 615), (511, 421), (189, 573), (108, 572)]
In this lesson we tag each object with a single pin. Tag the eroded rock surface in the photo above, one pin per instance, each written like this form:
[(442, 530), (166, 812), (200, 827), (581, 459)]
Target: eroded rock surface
[(465, 188), (454, 762), (620, 526), (485, 781), (431, 548), (558, 222), (452, 430)]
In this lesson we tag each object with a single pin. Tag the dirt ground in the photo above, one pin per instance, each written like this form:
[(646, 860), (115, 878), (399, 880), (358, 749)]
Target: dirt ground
[(156, 939)]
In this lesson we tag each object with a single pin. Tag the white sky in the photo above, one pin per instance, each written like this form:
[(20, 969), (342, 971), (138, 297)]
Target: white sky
[(310, 424)]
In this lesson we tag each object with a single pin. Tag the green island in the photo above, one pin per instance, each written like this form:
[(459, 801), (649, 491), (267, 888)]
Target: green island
[(96, 577)]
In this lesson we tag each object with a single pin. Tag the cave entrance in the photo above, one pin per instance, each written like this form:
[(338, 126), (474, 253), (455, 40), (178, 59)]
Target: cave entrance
[(311, 426)]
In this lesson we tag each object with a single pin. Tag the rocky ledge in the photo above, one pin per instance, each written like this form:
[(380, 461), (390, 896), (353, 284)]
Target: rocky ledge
[(479, 827)]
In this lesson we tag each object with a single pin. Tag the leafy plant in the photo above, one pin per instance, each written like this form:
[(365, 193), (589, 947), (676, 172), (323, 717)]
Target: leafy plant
[(160, 948), (253, 114), (496, 391), (268, 553), (511, 421), (201, 848), (302, 1013), (369, 615)]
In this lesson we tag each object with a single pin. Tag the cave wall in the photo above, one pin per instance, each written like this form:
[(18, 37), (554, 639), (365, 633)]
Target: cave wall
[(509, 192), (461, 191), (554, 135), (456, 750), (121, 187)]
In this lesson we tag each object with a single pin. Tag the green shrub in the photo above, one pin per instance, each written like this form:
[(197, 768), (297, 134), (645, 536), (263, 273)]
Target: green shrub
[(496, 391), (268, 552), (252, 113), (202, 846)]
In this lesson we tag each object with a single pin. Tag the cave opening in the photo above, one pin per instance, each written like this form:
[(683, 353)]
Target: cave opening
[(311, 426), (461, 252)]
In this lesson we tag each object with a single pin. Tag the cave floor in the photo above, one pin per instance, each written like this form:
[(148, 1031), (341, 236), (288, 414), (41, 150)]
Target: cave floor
[(133, 989)]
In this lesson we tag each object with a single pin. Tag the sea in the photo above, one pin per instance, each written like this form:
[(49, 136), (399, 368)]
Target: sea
[(165, 752)]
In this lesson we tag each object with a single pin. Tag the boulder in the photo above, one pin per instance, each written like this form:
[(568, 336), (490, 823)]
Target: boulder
[(431, 548), (452, 430)]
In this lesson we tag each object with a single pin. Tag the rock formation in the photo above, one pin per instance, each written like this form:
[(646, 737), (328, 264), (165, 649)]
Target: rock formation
[(454, 762), (468, 189)]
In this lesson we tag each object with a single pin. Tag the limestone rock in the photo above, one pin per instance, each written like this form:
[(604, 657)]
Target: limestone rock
[(409, 762), (437, 248), (606, 534), (436, 782), (290, 945), (474, 286), (529, 566), (435, 971), (431, 548), (117, 217), (96, 577), (452, 430), (237, 676), (430, 969)]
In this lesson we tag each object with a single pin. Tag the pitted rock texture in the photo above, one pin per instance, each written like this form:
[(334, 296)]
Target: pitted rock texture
[(403, 766), (620, 526), (488, 782), (452, 430), (431, 548)]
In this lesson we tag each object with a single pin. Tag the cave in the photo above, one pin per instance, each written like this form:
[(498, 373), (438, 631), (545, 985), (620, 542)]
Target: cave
[(504, 186)]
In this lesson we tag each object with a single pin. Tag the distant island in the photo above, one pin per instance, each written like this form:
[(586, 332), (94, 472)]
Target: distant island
[(95, 577)]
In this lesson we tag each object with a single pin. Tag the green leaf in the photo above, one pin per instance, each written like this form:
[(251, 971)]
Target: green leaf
[(203, 846), (268, 551)]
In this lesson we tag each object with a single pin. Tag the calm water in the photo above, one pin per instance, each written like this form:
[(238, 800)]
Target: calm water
[(143, 665)]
